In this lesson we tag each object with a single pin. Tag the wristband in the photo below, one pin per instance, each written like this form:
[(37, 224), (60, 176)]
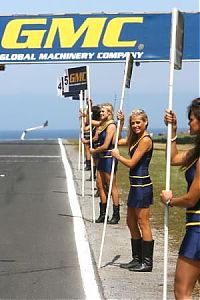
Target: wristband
[(168, 203), (174, 138)]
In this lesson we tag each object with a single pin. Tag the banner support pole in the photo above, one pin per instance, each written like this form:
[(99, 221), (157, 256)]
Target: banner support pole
[(168, 158), (113, 162), (79, 141), (83, 150), (90, 124)]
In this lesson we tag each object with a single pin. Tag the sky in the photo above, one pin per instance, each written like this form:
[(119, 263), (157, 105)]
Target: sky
[(28, 95)]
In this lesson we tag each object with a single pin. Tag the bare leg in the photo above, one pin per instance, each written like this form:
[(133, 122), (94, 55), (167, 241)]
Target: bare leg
[(103, 197), (100, 181), (187, 274), (114, 191), (132, 223), (143, 216), (87, 152)]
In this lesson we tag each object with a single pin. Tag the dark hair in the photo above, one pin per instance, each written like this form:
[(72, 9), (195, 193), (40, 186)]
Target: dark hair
[(96, 112), (194, 153), (195, 108)]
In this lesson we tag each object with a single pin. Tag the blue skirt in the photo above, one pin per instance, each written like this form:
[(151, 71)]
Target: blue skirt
[(105, 164), (190, 246), (140, 197)]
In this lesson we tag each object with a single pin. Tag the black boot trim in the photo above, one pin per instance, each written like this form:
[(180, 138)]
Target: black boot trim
[(116, 216), (147, 258), (136, 246), (102, 215), (88, 165), (131, 264)]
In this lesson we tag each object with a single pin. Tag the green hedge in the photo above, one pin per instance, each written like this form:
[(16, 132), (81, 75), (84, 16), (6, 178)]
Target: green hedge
[(181, 139)]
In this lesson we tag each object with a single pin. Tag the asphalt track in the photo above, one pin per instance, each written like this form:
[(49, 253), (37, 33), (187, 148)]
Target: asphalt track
[(49, 245), (38, 244)]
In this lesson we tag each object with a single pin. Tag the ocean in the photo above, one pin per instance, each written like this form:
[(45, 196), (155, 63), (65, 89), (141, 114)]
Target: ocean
[(44, 134), (47, 134)]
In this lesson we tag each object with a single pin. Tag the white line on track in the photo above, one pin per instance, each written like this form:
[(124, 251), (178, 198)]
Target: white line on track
[(84, 254), (48, 156)]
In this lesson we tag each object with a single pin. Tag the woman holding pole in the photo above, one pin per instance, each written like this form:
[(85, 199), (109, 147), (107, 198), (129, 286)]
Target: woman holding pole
[(86, 140), (107, 134), (141, 190), (188, 263)]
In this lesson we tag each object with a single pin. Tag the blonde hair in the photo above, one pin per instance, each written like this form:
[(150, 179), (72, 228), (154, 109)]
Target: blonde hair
[(110, 109), (132, 137)]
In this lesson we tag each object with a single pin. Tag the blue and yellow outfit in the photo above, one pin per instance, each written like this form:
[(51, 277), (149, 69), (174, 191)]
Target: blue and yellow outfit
[(190, 246), (141, 187), (105, 158), (87, 133)]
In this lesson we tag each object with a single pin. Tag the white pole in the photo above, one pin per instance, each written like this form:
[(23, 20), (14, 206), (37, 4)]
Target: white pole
[(90, 124), (83, 150), (113, 163), (79, 141), (79, 152), (168, 159)]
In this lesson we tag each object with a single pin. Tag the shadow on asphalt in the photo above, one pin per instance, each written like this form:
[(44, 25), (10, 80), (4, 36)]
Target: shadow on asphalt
[(66, 215), (112, 262)]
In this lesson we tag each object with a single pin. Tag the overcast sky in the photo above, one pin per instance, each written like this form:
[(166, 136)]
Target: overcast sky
[(28, 92)]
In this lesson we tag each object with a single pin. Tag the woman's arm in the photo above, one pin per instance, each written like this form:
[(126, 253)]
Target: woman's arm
[(84, 141), (96, 136), (86, 127), (190, 198), (120, 117), (144, 145), (96, 123), (177, 158), (122, 142)]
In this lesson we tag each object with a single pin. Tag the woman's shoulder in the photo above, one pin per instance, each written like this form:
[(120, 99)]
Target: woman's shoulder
[(146, 139), (105, 127), (110, 125), (146, 142)]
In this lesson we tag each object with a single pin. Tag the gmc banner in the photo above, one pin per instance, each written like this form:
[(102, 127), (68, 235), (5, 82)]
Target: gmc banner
[(93, 37), (77, 78)]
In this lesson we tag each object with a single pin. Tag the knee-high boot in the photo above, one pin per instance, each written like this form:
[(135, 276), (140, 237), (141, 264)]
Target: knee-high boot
[(136, 246), (146, 264), (116, 216), (88, 165), (102, 215)]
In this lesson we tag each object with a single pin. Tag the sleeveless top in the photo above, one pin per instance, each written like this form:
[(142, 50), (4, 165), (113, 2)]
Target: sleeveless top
[(139, 175), (192, 213), (101, 139)]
